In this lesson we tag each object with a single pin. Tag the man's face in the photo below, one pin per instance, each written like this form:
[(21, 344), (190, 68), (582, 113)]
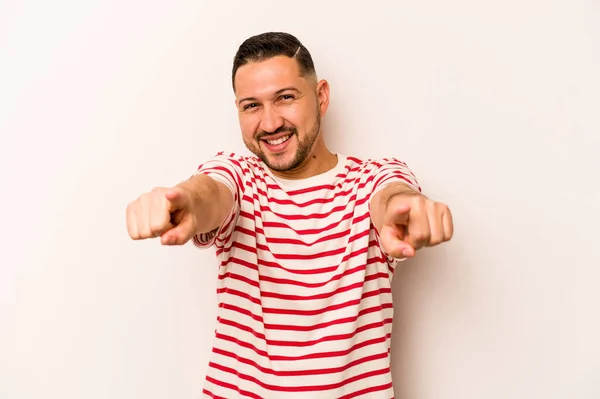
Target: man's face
[(279, 111)]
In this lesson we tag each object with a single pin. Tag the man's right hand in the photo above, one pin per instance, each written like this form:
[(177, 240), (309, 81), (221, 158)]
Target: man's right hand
[(163, 212)]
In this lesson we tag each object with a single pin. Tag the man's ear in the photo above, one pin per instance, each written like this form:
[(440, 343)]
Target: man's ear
[(323, 96)]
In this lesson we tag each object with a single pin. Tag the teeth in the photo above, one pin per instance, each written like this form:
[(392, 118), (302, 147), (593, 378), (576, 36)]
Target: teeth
[(279, 140)]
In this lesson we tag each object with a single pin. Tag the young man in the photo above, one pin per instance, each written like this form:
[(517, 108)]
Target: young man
[(307, 240)]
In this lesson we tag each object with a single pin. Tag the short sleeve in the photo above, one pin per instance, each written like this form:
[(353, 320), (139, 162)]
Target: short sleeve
[(228, 169), (392, 170), (389, 171)]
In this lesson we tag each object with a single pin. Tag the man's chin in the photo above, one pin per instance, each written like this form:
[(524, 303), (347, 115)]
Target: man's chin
[(280, 161), (279, 164)]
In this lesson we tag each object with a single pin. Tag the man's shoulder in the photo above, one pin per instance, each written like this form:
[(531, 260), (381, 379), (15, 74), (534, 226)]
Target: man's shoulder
[(246, 166), (235, 156), (234, 159), (372, 164)]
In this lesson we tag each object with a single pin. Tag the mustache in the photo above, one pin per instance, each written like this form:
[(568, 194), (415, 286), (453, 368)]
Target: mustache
[(282, 129)]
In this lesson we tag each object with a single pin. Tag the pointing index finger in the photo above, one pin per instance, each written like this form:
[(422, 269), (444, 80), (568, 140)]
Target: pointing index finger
[(397, 214)]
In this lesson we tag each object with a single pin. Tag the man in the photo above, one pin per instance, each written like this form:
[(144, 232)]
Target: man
[(307, 240)]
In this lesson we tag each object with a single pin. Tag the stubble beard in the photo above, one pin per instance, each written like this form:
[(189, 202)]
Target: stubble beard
[(302, 152)]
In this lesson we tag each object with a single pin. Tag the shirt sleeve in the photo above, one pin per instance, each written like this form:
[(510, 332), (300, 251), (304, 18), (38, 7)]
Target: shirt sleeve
[(389, 171), (228, 169), (392, 170)]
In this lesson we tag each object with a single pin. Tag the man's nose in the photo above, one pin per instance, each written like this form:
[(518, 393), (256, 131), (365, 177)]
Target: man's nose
[(270, 120)]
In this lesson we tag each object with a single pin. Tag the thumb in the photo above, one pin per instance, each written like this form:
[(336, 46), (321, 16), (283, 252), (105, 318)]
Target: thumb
[(179, 234)]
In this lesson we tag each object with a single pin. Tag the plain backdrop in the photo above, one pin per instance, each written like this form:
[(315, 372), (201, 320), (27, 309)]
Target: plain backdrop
[(493, 104)]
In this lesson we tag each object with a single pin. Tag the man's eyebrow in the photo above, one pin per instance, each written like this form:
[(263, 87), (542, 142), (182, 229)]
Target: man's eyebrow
[(287, 89), (276, 93), (247, 99)]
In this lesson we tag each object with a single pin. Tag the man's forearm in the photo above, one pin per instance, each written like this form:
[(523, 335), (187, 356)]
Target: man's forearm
[(211, 201), (393, 189)]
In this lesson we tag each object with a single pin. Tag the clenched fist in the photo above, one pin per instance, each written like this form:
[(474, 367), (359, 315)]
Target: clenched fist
[(163, 212)]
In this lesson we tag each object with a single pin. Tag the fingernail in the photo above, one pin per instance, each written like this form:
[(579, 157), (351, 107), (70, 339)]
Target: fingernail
[(406, 252)]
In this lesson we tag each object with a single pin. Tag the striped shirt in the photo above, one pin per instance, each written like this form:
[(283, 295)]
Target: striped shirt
[(304, 286)]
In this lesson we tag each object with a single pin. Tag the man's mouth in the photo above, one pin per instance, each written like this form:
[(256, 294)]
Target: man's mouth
[(279, 140)]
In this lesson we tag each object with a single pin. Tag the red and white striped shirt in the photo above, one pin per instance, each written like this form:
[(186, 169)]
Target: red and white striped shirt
[(304, 290)]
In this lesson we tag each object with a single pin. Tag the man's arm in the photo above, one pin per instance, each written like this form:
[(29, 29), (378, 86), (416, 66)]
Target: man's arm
[(198, 205), (211, 201), (406, 220)]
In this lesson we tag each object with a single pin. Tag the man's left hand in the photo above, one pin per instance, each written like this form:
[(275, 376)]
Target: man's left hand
[(412, 221)]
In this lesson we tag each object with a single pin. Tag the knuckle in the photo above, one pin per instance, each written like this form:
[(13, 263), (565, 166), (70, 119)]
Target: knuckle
[(419, 240), (435, 241), (419, 236), (156, 227), (442, 207), (142, 202), (131, 209), (156, 192), (419, 200), (146, 233)]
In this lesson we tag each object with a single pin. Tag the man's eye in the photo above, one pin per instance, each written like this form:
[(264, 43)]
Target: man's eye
[(251, 105), (286, 97)]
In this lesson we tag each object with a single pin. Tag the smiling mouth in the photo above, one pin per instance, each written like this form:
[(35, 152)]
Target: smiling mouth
[(278, 141)]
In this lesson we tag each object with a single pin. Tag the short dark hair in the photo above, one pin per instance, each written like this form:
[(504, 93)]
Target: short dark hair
[(272, 44)]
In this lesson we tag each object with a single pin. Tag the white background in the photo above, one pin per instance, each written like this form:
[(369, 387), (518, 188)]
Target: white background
[(493, 104)]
